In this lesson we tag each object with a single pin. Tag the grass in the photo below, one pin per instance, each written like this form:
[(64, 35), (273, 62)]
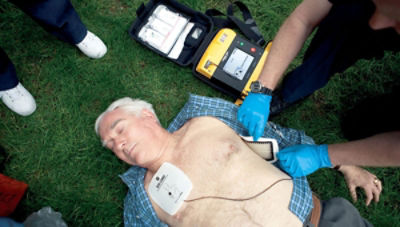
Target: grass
[(58, 154)]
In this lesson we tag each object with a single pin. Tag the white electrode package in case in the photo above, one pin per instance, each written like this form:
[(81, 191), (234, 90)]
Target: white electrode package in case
[(177, 49), (164, 13), (160, 26), (169, 187), (163, 29)]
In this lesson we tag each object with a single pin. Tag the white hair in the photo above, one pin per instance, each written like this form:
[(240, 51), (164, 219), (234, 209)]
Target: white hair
[(132, 106)]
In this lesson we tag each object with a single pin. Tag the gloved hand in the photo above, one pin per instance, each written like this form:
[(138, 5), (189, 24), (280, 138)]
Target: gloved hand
[(254, 112), (302, 160)]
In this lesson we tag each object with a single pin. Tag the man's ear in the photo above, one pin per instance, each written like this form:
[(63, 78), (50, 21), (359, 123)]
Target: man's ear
[(147, 113)]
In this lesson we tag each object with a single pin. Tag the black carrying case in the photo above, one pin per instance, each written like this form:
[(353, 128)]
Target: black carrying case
[(210, 22)]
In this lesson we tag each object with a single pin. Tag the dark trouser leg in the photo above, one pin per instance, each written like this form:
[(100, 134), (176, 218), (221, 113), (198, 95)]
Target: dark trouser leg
[(57, 17), (338, 212), (343, 37), (373, 116), (8, 76)]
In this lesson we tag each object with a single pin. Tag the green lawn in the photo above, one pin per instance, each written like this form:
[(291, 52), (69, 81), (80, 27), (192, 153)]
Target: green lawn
[(57, 153)]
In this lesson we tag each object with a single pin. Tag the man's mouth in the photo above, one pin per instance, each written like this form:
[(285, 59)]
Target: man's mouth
[(131, 149)]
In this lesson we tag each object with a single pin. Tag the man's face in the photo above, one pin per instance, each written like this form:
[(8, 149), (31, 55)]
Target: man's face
[(129, 136), (387, 14)]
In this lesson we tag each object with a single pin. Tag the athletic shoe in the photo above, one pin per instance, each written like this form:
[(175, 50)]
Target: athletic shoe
[(92, 46), (19, 100)]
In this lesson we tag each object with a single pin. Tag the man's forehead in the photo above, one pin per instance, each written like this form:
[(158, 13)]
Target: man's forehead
[(111, 118)]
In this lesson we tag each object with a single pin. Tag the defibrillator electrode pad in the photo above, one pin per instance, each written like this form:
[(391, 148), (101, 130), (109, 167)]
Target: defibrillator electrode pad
[(169, 187), (267, 148)]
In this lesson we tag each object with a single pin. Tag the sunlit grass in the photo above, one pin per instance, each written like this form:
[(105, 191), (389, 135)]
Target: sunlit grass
[(57, 152)]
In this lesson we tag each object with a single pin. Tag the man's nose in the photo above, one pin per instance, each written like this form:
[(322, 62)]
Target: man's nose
[(120, 142)]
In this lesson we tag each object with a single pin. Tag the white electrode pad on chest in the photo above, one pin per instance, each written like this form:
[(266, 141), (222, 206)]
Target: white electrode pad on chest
[(169, 187)]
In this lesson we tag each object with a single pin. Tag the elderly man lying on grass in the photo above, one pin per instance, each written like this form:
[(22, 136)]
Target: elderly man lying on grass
[(200, 172)]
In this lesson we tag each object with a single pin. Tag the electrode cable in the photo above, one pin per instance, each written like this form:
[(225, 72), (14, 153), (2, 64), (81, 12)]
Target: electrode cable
[(238, 199)]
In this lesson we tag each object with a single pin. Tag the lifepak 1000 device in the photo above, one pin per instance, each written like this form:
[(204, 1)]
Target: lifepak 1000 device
[(218, 55), (233, 61)]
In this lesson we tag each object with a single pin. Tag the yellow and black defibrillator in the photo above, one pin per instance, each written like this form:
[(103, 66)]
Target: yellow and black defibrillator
[(219, 56), (233, 61)]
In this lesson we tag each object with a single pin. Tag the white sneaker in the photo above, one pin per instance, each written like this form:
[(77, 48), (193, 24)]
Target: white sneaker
[(92, 46), (19, 100)]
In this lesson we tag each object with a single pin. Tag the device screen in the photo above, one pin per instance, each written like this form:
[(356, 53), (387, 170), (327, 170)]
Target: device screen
[(238, 64)]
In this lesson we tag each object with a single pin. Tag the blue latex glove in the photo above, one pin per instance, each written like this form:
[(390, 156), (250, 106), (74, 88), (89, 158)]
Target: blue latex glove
[(301, 160), (254, 112)]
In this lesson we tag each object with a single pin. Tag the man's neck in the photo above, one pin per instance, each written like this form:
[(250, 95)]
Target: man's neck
[(167, 148)]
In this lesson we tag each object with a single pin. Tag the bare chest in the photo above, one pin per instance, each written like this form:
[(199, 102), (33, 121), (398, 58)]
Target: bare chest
[(232, 186)]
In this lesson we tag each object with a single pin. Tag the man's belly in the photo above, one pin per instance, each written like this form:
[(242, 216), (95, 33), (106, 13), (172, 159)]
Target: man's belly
[(268, 209), (246, 191)]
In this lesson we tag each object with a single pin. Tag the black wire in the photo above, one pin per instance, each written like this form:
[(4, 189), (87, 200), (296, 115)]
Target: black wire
[(242, 199)]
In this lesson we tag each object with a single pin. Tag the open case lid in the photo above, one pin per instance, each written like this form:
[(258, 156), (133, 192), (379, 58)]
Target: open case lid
[(201, 22)]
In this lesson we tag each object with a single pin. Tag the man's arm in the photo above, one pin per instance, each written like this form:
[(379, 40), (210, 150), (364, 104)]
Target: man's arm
[(254, 111), (381, 150), (290, 39)]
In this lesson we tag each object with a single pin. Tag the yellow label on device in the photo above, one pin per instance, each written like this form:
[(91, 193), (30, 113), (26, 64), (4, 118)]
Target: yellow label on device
[(215, 52)]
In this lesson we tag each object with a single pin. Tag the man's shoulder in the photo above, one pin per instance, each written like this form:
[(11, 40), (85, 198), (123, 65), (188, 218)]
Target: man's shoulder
[(198, 106), (202, 119), (205, 129), (203, 122)]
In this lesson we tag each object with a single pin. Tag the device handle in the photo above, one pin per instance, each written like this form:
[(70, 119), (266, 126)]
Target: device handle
[(219, 22), (249, 26)]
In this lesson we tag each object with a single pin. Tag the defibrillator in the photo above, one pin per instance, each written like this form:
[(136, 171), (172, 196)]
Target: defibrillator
[(218, 54), (233, 61)]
